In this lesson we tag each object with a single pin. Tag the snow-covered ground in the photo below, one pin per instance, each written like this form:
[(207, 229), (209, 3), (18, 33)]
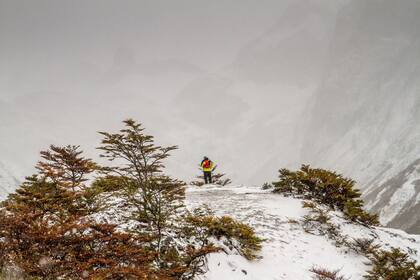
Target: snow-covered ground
[(288, 252)]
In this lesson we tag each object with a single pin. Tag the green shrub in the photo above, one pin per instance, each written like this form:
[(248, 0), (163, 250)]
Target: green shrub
[(232, 230), (110, 183), (217, 179), (353, 209), (266, 186), (318, 221), (392, 265), (364, 246), (325, 187)]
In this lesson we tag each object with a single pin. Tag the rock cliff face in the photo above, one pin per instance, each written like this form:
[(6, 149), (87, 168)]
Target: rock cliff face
[(365, 120)]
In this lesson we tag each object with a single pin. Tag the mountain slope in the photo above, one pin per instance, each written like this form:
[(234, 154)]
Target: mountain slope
[(288, 252), (401, 197), (364, 119), (8, 182)]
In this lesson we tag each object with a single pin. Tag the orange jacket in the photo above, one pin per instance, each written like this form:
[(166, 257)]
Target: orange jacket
[(208, 168)]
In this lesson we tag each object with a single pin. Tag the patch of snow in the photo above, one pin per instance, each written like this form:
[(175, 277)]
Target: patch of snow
[(288, 252)]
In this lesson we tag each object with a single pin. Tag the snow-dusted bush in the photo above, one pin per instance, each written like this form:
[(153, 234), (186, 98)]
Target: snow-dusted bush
[(267, 186), (386, 265), (392, 265), (218, 179), (325, 274), (239, 235), (328, 188), (363, 246), (318, 221)]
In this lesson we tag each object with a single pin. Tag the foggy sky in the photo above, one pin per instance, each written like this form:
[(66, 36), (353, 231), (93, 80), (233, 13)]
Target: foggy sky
[(225, 79)]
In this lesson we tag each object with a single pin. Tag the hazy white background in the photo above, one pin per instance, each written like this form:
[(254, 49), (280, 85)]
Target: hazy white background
[(254, 85), (226, 79)]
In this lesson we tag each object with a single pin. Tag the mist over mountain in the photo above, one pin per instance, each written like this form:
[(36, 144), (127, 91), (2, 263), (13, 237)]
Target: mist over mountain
[(199, 94), (294, 50), (364, 119)]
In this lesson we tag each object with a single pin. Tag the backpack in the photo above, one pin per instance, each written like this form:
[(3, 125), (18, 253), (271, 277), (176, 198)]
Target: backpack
[(207, 164)]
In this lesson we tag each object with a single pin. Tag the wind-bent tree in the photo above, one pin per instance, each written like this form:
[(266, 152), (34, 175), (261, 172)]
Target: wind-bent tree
[(154, 196)]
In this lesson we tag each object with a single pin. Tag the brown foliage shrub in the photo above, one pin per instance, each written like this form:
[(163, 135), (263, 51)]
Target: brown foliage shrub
[(325, 274), (46, 232), (73, 250)]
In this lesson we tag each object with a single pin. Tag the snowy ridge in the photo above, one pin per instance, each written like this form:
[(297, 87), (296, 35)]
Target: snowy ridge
[(288, 252)]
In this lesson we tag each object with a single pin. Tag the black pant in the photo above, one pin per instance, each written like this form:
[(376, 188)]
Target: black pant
[(207, 177)]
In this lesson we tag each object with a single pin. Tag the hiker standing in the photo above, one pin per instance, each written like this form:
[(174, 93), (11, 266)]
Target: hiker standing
[(208, 166)]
